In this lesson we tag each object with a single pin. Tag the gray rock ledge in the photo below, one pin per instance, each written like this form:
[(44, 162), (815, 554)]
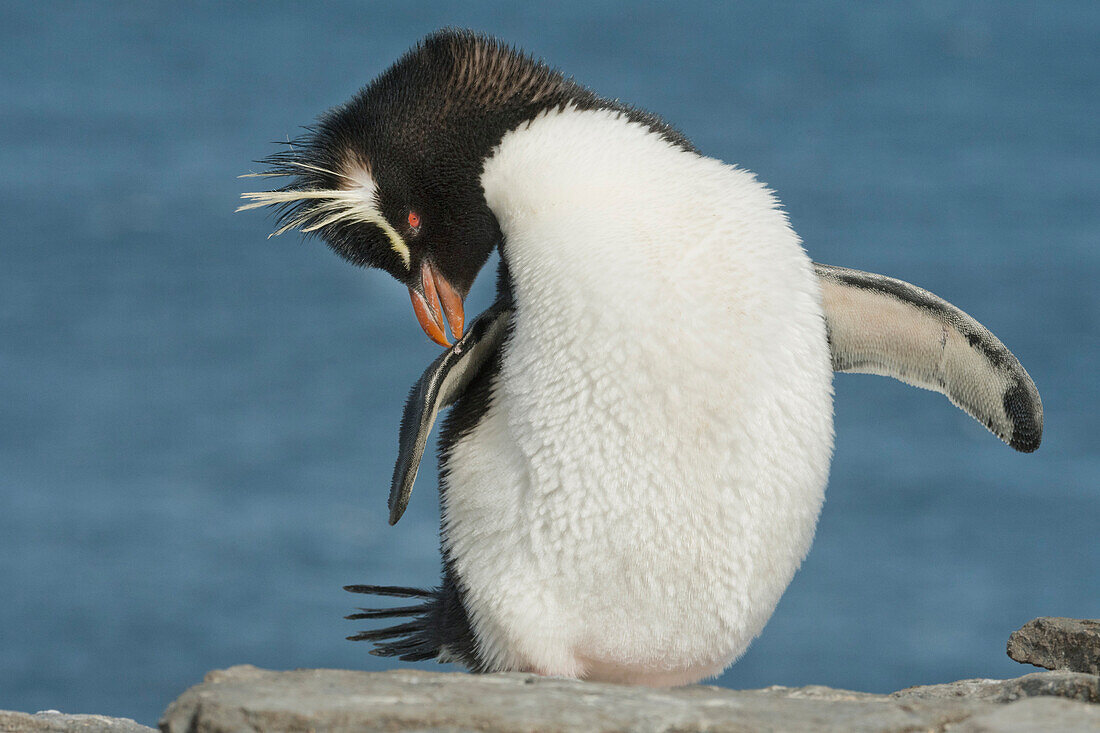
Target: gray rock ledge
[(54, 722), (246, 698), (1058, 643)]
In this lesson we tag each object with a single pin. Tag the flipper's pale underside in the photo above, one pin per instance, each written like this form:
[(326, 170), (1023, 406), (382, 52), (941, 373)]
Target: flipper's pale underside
[(879, 325), (876, 325)]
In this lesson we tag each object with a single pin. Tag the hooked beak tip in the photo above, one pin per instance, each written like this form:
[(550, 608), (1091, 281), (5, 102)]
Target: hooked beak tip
[(452, 305), (436, 298), (427, 322)]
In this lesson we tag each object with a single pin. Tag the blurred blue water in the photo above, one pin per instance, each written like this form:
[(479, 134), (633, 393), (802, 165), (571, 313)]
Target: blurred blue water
[(197, 424)]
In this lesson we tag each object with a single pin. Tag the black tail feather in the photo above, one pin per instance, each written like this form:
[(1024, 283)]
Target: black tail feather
[(410, 648), (389, 632), (436, 627), (415, 640), (385, 612), (404, 646), (391, 590), (416, 655)]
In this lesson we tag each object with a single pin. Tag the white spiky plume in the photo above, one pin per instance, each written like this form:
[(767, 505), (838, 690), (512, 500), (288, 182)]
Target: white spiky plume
[(351, 205)]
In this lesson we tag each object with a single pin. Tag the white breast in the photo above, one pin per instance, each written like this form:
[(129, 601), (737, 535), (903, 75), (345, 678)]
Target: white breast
[(649, 474)]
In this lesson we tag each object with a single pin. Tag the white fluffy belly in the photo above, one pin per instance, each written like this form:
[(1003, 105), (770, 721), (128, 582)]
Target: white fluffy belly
[(647, 478), (632, 509)]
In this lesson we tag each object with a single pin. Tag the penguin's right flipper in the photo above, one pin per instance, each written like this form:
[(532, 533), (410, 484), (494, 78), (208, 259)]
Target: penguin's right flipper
[(879, 325), (441, 384)]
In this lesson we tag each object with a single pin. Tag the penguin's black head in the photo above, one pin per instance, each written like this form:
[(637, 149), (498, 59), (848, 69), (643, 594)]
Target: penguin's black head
[(391, 179)]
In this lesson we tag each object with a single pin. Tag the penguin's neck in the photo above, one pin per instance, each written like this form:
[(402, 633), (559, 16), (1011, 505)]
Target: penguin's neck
[(581, 159), (581, 199)]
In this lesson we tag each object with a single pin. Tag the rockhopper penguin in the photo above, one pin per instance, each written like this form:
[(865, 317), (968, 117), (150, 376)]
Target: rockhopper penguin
[(641, 429)]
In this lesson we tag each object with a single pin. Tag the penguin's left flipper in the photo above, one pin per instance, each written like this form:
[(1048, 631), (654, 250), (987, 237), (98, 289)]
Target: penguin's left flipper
[(441, 384), (879, 325)]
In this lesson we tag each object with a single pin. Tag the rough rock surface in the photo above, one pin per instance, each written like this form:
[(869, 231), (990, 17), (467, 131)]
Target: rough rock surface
[(247, 698), (52, 722), (1058, 643), (1070, 685)]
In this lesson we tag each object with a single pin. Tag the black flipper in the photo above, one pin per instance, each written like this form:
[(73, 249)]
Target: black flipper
[(441, 384), (879, 325)]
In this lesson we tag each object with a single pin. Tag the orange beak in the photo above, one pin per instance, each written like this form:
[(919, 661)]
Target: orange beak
[(435, 299)]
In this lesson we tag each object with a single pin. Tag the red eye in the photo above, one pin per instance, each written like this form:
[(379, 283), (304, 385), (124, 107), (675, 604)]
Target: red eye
[(414, 219)]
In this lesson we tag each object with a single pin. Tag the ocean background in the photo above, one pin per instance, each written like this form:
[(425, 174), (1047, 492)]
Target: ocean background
[(198, 424)]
